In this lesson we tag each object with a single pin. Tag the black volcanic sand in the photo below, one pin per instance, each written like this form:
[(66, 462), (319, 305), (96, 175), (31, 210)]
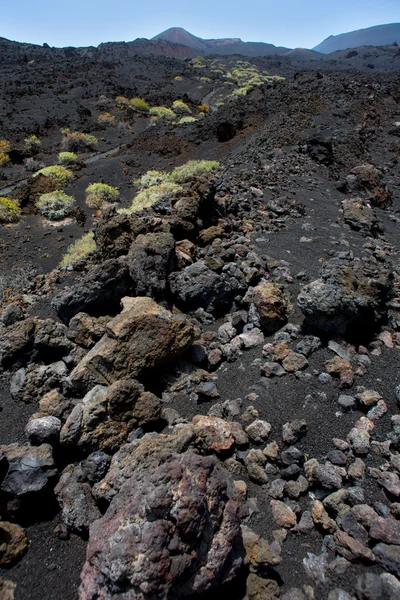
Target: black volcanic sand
[(270, 124)]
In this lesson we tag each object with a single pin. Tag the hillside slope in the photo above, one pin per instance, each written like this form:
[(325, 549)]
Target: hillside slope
[(380, 35)]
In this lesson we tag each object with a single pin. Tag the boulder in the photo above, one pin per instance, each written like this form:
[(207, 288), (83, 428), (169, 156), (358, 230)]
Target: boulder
[(98, 292), (150, 260), (349, 295), (25, 468), (142, 337), (368, 180), (197, 286), (16, 340), (270, 304), (173, 525), (13, 543)]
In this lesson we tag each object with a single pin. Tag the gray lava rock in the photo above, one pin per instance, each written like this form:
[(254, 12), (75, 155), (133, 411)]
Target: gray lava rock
[(26, 468), (199, 287), (11, 314), (389, 557), (295, 430), (348, 293), (16, 340), (101, 289), (44, 430), (150, 260)]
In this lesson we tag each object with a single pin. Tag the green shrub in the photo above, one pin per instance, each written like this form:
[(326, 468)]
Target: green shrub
[(55, 205), (242, 91), (98, 193), (139, 104), (9, 210), (4, 159), (204, 108), (78, 250), (73, 141), (68, 158), (32, 144), (180, 108), (152, 178), (186, 120), (162, 112), (122, 101), (193, 168), (57, 173), (149, 196)]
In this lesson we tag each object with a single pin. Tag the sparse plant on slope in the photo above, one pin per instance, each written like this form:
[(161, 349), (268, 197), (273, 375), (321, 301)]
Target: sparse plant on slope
[(5, 146), (149, 196), (68, 158), (180, 108), (204, 108), (82, 247), (193, 168), (32, 144), (122, 101), (186, 120), (73, 141), (152, 178), (9, 210), (99, 193), (139, 104), (57, 173), (55, 205), (106, 118), (161, 112), (4, 159)]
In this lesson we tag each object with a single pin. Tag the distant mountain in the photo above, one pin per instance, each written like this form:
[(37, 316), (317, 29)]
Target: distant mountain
[(178, 35), (380, 35)]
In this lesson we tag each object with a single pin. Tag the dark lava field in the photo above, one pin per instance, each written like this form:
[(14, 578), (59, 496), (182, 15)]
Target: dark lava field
[(199, 326)]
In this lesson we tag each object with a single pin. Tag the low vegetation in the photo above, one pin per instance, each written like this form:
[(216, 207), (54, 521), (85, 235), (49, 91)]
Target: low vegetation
[(4, 159), (32, 144), (55, 205), (9, 210), (180, 108), (57, 173), (106, 118), (186, 120), (73, 141), (193, 168), (76, 251), (149, 196), (152, 178), (161, 112), (99, 193), (68, 158), (139, 104)]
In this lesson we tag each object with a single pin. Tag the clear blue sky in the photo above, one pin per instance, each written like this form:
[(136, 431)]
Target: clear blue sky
[(291, 23)]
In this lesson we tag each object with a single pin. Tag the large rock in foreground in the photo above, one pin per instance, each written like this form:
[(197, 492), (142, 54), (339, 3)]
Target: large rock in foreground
[(171, 531), (143, 336)]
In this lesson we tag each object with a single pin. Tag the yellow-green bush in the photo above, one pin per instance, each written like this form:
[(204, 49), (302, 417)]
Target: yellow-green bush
[(55, 205), (242, 91), (161, 112), (32, 143), (57, 173), (186, 120), (68, 158), (4, 159), (149, 196), (9, 210), (180, 108), (122, 101), (139, 104), (85, 245), (73, 141), (99, 193), (152, 178), (193, 168)]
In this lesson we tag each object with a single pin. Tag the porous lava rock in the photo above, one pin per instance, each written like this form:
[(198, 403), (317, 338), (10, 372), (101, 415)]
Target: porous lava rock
[(173, 525), (348, 293), (98, 292), (143, 336), (270, 303), (150, 260)]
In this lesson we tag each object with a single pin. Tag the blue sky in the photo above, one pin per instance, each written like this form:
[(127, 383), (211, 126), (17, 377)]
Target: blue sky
[(291, 23)]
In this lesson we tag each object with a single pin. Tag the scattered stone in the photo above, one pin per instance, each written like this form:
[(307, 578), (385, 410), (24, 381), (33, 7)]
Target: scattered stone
[(283, 514), (13, 543), (45, 430), (295, 362), (258, 431), (293, 432)]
